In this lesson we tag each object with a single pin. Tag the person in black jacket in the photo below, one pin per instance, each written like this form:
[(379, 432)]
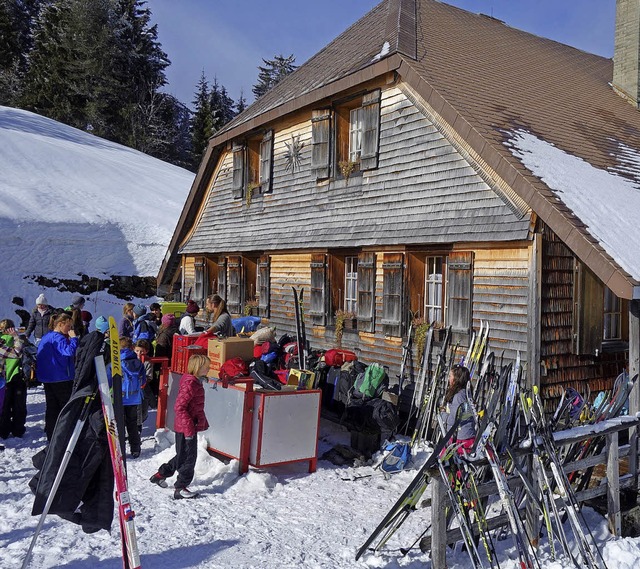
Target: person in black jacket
[(39, 321)]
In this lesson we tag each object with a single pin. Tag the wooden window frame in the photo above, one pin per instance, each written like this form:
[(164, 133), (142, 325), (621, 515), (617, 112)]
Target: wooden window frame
[(264, 286), (612, 316), (393, 290), (199, 280), (366, 291), (318, 306), (459, 285), (350, 281), (429, 307)]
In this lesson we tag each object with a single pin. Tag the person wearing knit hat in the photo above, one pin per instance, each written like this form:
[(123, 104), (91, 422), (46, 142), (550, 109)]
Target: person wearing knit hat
[(77, 301), (164, 341), (39, 319), (188, 322), (102, 324), (139, 310)]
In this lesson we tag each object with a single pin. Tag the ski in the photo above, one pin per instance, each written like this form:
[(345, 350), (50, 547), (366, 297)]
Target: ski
[(409, 498), (406, 353), (130, 557), (301, 337)]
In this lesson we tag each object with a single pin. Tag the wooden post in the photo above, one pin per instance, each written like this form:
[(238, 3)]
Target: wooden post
[(634, 368), (613, 485), (438, 523)]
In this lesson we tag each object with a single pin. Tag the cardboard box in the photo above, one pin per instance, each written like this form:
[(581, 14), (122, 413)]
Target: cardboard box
[(222, 350)]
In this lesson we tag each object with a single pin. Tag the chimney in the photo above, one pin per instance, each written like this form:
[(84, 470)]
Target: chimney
[(626, 56)]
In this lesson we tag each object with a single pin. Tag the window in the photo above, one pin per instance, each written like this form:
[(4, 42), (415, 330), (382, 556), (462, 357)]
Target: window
[(351, 284), (392, 293), (356, 127), (346, 136), (459, 294), (434, 290), (612, 316), (243, 279), (200, 279), (253, 164)]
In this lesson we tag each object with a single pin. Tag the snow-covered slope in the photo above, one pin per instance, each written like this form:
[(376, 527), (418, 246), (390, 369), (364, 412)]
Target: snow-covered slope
[(72, 203)]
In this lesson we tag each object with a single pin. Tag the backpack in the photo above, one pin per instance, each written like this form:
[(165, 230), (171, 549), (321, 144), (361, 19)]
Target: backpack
[(133, 378), (397, 457), (233, 369), (370, 384), (143, 330), (337, 357)]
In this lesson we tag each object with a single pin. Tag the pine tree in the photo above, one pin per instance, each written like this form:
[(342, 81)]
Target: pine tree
[(241, 105), (202, 120), (272, 72)]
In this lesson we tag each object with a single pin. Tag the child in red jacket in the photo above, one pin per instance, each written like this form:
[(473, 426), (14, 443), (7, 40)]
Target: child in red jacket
[(189, 419)]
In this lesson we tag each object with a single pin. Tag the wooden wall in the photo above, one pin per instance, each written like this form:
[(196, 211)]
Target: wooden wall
[(560, 368)]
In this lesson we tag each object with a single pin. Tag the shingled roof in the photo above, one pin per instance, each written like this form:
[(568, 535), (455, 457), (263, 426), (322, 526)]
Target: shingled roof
[(487, 80)]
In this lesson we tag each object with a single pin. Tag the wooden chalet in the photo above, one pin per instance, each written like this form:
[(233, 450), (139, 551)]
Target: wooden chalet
[(381, 177)]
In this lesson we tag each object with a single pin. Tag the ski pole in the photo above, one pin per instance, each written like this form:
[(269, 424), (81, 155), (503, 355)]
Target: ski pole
[(61, 470), (405, 550)]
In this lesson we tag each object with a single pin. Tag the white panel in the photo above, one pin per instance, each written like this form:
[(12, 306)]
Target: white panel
[(289, 426), (224, 408)]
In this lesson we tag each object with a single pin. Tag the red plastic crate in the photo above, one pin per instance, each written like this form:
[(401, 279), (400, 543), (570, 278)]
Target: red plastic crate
[(183, 349)]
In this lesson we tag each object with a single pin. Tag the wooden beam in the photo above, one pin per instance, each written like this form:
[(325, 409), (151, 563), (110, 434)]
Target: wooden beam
[(634, 368), (438, 524)]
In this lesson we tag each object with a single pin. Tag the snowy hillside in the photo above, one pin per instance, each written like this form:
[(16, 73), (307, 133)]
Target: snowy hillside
[(72, 203)]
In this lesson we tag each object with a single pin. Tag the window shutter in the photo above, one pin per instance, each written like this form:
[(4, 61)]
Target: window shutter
[(459, 289), (588, 311), (264, 272), (234, 286), (317, 309), (366, 291), (320, 143), (392, 291), (199, 280), (371, 130), (238, 170), (266, 162), (222, 277)]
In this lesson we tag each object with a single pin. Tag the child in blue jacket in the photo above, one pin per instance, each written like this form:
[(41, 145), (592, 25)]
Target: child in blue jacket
[(133, 381)]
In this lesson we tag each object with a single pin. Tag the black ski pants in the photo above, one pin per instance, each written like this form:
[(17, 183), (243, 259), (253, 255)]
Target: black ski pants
[(13, 414), (56, 396), (184, 461), (131, 425)]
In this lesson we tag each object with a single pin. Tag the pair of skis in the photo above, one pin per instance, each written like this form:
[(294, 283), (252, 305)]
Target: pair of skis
[(130, 555), (301, 335)]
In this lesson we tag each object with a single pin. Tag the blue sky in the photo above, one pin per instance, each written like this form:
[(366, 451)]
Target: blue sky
[(228, 38)]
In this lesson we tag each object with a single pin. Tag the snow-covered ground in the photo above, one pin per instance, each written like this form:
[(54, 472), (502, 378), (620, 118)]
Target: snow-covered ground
[(73, 203), (276, 518)]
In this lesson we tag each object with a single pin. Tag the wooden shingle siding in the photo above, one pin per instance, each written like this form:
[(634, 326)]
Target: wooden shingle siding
[(416, 165), (500, 297), (561, 368)]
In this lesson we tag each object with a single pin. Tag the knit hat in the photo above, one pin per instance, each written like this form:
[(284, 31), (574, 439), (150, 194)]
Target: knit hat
[(77, 301), (102, 324), (86, 316), (168, 320), (139, 310), (42, 299), (192, 307)]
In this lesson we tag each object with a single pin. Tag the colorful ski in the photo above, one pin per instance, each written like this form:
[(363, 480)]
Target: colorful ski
[(130, 556)]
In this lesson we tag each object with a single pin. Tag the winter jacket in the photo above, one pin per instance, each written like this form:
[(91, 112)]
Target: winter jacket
[(187, 324), (223, 325), (164, 342), (144, 328), (134, 377), (189, 407), (125, 327), (39, 323), (10, 350), (460, 404), (55, 358)]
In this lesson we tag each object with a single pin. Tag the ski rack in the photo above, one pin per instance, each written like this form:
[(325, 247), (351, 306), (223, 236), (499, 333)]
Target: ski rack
[(610, 457)]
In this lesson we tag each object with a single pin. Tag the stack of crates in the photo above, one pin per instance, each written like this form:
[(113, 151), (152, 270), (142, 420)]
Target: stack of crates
[(183, 349)]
